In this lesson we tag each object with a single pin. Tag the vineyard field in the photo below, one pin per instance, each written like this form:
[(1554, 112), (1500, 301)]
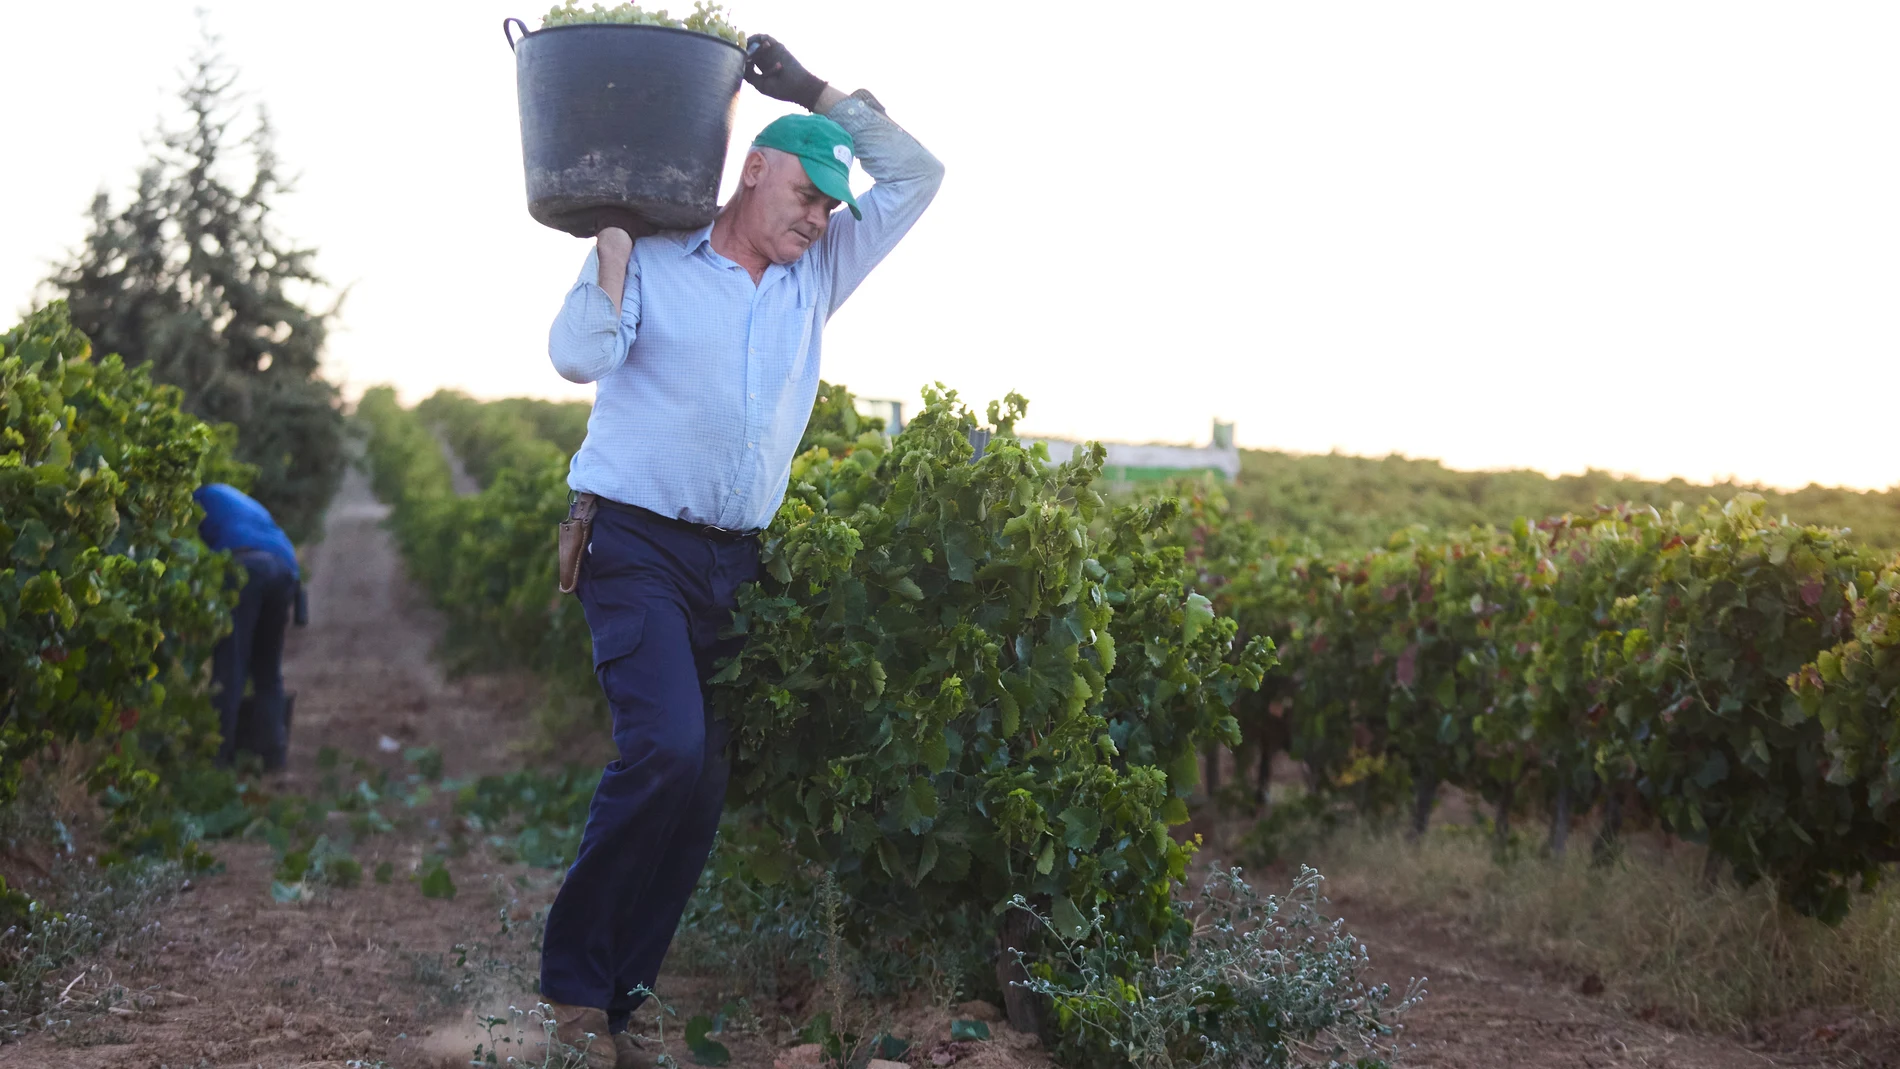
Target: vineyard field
[(1347, 502), (608, 686), (977, 681)]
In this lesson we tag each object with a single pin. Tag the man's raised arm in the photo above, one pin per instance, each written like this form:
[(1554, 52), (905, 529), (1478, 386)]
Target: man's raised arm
[(597, 323), (907, 175)]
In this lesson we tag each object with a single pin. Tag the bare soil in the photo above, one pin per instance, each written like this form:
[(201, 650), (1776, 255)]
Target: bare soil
[(371, 975), (1481, 1013), (1485, 1009)]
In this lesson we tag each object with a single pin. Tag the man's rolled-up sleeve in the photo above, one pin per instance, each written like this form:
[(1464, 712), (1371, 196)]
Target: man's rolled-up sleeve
[(590, 338), (907, 178)]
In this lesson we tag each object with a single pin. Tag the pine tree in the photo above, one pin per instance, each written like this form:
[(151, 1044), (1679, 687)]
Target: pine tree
[(193, 277)]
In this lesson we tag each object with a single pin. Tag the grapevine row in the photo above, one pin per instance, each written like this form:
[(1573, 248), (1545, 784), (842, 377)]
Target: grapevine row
[(966, 678), (1719, 670), (110, 604)]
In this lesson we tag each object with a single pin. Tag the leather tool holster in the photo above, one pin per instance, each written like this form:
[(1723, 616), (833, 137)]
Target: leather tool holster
[(575, 532)]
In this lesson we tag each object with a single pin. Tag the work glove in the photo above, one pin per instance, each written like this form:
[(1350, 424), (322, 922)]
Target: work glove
[(772, 71)]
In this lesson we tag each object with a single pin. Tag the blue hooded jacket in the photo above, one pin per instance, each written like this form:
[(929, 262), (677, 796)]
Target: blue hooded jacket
[(233, 520)]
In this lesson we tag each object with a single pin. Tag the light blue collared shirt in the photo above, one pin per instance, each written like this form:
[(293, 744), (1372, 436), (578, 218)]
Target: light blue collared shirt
[(706, 381)]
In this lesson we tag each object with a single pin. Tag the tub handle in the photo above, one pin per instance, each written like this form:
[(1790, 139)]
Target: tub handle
[(512, 39)]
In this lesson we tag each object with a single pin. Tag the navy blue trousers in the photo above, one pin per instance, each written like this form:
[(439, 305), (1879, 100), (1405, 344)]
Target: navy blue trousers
[(254, 652), (656, 598)]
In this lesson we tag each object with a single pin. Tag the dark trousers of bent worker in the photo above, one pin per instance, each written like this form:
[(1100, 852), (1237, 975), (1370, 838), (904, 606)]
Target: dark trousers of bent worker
[(254, 652), (657, 598)]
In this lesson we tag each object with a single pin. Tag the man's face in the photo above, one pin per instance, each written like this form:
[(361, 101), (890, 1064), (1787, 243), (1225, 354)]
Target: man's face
[(787, 214)]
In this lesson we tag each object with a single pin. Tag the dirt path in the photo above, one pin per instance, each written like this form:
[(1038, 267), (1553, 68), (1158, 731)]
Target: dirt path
[(364, 668), (359, 974), (1481, 1013), (376, 975)]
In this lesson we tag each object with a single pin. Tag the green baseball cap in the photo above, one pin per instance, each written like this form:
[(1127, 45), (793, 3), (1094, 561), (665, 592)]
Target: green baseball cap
[(822, 146)]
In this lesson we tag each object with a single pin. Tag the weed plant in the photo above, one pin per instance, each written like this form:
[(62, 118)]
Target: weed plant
[(524, 1039), (73, 915), (1262, 983), (478, 968), (57, 938), (800, 934), (1651, 925), (535, 817), (313, 853), (762, 940)]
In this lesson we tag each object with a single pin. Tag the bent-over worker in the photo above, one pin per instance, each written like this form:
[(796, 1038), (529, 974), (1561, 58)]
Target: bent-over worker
[(705, 348), (254, 650)]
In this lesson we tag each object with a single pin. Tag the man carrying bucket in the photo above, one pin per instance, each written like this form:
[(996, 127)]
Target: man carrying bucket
[(705, 348)]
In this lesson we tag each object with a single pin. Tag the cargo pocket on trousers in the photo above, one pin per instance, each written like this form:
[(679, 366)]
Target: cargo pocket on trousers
[(619, 638)]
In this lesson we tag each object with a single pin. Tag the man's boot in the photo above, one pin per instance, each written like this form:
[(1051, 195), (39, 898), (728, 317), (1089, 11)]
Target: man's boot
[(583, 1031), (630, 1053)]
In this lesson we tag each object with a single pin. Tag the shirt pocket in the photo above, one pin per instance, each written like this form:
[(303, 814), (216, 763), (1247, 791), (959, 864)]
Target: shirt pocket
[(799, 327)]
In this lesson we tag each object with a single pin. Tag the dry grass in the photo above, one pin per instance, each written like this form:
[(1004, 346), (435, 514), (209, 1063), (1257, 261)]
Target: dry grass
[(70, 926), (1717, 957)]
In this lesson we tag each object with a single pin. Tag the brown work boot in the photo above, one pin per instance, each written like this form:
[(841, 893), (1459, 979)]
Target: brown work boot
[(582, 1031), (629, 1053)]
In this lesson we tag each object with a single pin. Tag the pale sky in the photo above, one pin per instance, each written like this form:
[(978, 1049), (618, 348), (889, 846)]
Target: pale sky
[(1654, 237)]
